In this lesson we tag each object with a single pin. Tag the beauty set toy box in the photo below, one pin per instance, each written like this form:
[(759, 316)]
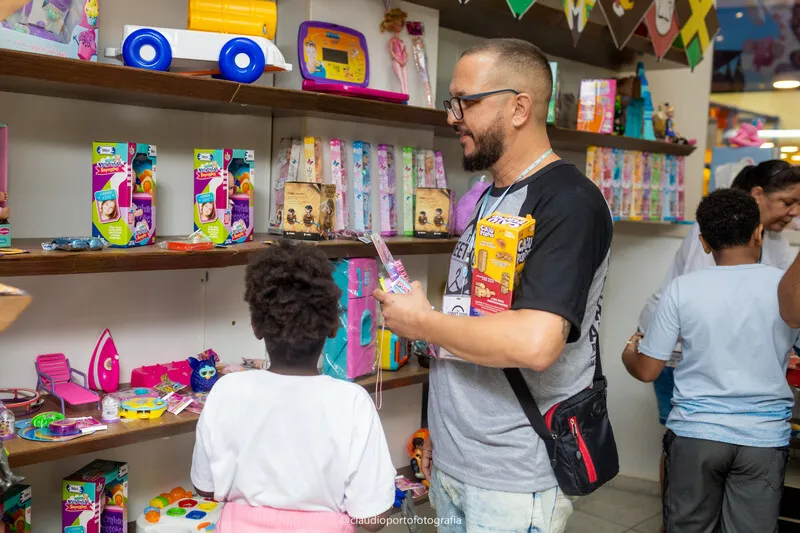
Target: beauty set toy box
[(596, 105), (15, 509), (124, 193), (61, 28), (95, 499), (502, 244), (309, 210), (224, 194)]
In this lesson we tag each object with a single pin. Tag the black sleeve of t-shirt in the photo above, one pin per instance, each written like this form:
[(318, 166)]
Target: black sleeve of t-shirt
[(571, 240)]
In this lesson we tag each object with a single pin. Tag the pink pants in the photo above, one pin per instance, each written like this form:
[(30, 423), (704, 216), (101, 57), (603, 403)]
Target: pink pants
[(240, 518)]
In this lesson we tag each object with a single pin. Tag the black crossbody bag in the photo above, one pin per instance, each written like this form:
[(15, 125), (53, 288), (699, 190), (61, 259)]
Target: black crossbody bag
[(576, 432)]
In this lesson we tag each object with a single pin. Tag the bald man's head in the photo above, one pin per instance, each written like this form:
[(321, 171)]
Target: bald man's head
[(521, 66)]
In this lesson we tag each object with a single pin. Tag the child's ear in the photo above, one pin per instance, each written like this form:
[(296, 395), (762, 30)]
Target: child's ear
[(706, 247), (758, 236)]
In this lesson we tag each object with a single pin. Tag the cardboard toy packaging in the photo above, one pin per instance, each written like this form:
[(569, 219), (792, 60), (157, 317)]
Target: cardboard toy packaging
[(596, 105), (433, 211), (15, 509), (502, 244), (309, 211), (95, 499)]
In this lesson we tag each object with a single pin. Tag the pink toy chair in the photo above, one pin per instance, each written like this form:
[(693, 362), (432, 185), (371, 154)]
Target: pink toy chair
[(55, 376)]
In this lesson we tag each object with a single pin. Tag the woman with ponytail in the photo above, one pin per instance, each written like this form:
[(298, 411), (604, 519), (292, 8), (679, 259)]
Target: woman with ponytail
[(775, 185)]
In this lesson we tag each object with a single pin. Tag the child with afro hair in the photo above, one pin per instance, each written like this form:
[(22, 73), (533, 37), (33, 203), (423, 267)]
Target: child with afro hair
[(288, 449)]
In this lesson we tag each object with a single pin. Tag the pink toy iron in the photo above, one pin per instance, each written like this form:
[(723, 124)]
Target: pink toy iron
[(104, 366)]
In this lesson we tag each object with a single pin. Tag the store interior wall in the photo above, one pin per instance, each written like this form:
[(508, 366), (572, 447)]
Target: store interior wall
[(165, 315), (783, 104)]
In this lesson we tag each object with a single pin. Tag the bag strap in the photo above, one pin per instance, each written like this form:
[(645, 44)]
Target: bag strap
[(528, 403)]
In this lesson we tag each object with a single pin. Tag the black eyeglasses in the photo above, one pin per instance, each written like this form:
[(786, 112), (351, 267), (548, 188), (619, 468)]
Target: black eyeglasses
[(453, 105)]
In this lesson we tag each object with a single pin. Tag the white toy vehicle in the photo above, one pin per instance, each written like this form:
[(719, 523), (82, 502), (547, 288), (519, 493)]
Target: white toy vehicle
[(238, 58)]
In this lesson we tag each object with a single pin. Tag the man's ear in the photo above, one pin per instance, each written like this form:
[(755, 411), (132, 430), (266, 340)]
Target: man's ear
[(706, 247), (758, 236), (523, 110)]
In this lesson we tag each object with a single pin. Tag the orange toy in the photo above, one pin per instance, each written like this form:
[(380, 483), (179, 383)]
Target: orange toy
[(152, 516), (415, 445)]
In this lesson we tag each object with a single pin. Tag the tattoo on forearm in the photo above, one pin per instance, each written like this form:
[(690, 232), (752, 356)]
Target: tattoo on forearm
[(565, 327)]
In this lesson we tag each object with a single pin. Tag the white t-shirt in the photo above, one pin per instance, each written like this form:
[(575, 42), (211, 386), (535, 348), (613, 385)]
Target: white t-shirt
[(302, 443), (775, 252)]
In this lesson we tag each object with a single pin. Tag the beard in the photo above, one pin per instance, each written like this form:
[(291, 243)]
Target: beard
[(489, 147)]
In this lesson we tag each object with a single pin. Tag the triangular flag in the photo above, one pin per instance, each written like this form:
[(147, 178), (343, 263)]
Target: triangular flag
[(520, 7), (577, 13), (698, 23), (623, 17), (662, 25)]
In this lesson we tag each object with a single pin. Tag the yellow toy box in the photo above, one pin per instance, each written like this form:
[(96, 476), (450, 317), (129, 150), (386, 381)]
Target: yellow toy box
[(502, 244)]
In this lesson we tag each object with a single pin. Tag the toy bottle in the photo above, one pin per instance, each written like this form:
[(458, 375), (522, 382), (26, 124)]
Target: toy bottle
[(7, 421)]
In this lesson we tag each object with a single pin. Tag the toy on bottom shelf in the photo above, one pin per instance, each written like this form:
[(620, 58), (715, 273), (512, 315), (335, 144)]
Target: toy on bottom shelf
[(62, 28), (179, 511), (54, 375), (415, 445), (142, 408), (15, 509), (104, 365), (95, 498), (204, 371), (351, 353)]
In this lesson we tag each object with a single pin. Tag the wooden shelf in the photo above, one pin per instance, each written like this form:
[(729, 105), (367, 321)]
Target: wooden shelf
[(24, 452), (26, 73), (39, 262), (547, 28)]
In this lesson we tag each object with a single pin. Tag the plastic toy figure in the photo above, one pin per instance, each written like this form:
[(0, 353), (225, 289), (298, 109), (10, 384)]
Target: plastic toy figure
[(438, 219), (747, 135), (291, 217), (423, 218), (308, 218), (393, 21), (415, 446)]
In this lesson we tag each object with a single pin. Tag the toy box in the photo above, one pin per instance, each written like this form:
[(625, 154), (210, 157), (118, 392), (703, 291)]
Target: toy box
[(636, 186), (5, 227), (15, 509), (62, 28), (392, 350), (552, 106), (224, 194), (351, 353), (309, 211), (95, 498), (433, 213), (502, 244), (656, 176), (124, 193), (596, 105)]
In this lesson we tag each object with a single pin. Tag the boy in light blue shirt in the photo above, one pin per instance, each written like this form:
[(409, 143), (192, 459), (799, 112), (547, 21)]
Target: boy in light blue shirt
[(728, 433)]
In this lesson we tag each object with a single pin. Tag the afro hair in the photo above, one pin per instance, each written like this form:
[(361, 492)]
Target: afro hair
[(728, 218), (294, 302)]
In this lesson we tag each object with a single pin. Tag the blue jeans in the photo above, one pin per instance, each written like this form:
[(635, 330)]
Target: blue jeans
[(463, 508), (664, 386)]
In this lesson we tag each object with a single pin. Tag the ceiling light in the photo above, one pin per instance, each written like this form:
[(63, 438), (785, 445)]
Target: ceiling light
[(786, 84), (720, 38), (768, 145), (739, 14), (779, 134), (789, 149), (796, 158), (784, 156)]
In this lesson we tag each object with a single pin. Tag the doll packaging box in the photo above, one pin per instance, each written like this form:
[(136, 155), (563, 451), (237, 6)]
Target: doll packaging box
[(61, 28), (432, 220), (596, 105), (224, 194), (95, 499), (309, 211), (502, 244), (15, 509), (124, 193)]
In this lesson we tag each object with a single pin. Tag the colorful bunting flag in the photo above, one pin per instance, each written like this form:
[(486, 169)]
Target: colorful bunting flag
[(520, 7), (577, 13), (698, 23), (662, 25), (623, 17)]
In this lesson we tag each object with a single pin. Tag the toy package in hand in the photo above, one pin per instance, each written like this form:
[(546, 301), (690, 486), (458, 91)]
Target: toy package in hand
[(398, 281)]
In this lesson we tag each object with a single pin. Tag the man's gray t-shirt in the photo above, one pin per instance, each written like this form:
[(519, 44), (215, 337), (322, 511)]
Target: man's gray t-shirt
[(479, 431)]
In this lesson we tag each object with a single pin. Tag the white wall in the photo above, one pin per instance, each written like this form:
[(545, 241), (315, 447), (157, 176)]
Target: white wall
[(777, 103)]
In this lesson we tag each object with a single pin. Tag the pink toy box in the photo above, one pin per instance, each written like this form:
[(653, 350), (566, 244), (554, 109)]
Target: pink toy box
[(95, 499), (15, 509), (351, 353), (62, 28), (150, 376)]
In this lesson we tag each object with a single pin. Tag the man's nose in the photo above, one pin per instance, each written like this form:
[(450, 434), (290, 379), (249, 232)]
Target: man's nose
[(451, 118)]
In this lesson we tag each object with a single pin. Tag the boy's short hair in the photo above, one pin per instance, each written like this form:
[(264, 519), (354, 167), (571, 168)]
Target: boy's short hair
[(728, 218), (294, 302)]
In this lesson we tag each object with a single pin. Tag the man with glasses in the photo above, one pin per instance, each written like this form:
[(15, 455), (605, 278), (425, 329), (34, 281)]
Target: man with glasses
[(490, 469)]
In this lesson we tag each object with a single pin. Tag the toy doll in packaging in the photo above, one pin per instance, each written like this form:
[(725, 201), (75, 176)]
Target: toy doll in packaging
[(224, 194)]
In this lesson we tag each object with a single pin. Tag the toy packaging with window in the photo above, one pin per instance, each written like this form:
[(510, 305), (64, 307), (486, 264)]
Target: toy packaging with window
[(351, 353), (432, 220), (224, 194), (596, 105), (61, 28), (552, 106), (502, 243), (124, 193), (309, 211), (95, 499), (5, 227), (15, 509)]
